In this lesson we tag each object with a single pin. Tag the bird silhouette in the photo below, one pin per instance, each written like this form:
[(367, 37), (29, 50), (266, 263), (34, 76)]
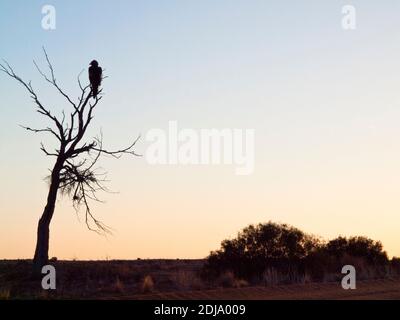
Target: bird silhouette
[(95, 77)]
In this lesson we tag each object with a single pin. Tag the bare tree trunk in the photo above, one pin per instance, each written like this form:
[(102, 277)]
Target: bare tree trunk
[(43, 231)]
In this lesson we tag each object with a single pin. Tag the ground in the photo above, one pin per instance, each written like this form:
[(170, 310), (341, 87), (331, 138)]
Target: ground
[(167, 279), (367, 290)]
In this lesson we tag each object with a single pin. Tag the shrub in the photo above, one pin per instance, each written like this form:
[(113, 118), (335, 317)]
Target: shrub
[(256, 247), (118, 286), (277, 253), (5, 294), (147, 284), (395, 266), (186, 280), (370, 250), (228, 280)]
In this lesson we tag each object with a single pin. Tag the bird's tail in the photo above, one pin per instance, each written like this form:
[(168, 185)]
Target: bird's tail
[(95, 91)]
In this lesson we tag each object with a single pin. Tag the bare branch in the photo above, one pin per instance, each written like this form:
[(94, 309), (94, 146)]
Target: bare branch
[(48, 129), (52, 80), (46, 152), (28, 86), (118, 153)]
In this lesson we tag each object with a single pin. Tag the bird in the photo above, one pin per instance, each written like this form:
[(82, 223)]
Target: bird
[(95, 77)]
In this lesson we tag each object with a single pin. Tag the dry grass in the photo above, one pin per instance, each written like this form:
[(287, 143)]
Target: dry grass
[(147, 285), (118, 285), (228, 280), (5, 294), (371, 289), (173, 279), (187, 280), (97, 279)]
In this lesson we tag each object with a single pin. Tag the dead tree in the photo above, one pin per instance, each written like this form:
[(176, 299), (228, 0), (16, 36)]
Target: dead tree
[(74, 172)]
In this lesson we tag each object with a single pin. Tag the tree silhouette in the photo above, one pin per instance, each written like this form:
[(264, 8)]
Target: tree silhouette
[(74, 173)]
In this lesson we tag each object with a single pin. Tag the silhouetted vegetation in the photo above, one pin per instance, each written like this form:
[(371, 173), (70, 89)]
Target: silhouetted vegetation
[(256, 247), (278, 253), (261, 255), (75, 170), (99, 279)]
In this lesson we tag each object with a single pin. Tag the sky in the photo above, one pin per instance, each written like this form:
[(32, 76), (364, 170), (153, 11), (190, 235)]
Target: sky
[(323, 102)]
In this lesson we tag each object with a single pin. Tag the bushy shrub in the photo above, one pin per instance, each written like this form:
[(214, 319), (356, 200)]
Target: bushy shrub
[(275, 245), (395, 266), (147, 284), (370, 250), (274, 253)]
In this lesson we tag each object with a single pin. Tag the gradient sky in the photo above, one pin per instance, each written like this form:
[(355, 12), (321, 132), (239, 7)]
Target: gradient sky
[(324, 102)]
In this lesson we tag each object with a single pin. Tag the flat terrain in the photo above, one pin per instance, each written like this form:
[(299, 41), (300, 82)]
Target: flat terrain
[(167, 279), (366, 290)]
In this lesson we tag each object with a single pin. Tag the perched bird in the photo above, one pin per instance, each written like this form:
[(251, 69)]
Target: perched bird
[(95, 75)]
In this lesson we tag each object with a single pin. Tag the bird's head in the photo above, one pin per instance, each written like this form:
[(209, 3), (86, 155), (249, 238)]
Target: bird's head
[(94, 63)]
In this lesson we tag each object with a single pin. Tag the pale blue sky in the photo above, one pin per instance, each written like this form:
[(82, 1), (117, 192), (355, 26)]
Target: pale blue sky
[(324, 103)]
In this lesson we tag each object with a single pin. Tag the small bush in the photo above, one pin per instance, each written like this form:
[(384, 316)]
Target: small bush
[(118, 286), (187, 280), (5, 294), (241, 283), (395, 266), (228, 280), (147, 285)]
